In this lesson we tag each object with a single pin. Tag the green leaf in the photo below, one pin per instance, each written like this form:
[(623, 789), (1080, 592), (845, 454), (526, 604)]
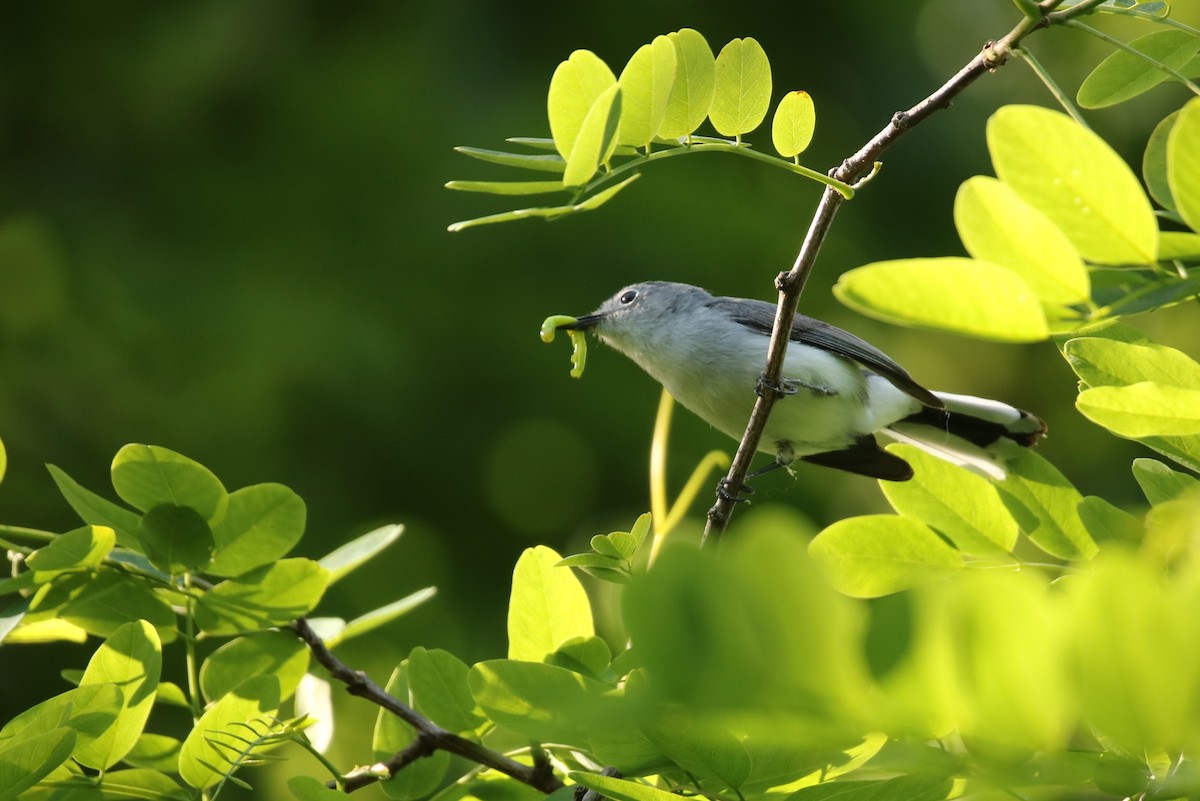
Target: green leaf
[(997, 226), (1178, 245), (276, 653), (1099, 361), (155, 752), (262, 524), (508, 187), (1077, 180), (1145, 409), (961, 505), (742, 93), (1049, 501), (646, 85), (176, 538), (1160, 483), (546, 212), (205, 755), (547, 606), (1183, 163), (543, 702), (307, 788), (359, 551), (137, 784), (1154, 163), (383, 615), (587, 655), (794, 123), (708, 752), (875, 555), (915, 787), (132, 660), (145, 476), (1106, 522), (438, 682), (3, 461), (88, 711), (392, 735), (25, 762), (963, 296), (79, 549), (576, 84), (528, 161), (596, 139), (97, 511), (103, 603), (620, 789), (694, 86), (1123, 75), (263, 598)]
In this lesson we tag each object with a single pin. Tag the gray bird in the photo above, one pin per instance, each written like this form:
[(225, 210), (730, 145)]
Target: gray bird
[(838, 391)]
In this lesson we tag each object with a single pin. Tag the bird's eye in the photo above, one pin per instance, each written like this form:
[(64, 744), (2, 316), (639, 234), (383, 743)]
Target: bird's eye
[(627, 297)]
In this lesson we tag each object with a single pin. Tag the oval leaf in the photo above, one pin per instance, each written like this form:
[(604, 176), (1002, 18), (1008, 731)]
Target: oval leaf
[(596, 139), (1160, 483), (438, 681), (1146, 409), (1183, 163), (203, 757), (1123, 75), (1077, 180), (1154, 164), (646, 85), (958, 503), (131, 659), (547, 607), (147, 475), (277, 653), (261, 525), (576, 84), (694, 85), (176, 538), (742, 94), (794, 123), (877, 555), (996, 225), (963, 296), (263, 598), (392, 735), (1047, 505)]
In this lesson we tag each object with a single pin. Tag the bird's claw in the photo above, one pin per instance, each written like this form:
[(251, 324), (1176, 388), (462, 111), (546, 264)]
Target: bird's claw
[(727, 491), (789, 386)]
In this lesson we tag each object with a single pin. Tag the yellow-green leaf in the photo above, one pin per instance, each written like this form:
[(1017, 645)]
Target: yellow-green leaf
[(1183, 163), (1146, 409), (220, 733), (1154, 163), (646, 85), (548, 606), (876, 555), (963, 296), (742, 95), (793, 124), (695, 81), (131, 659), (576, 84), (1077, 180), (596, 140), (996, 225)]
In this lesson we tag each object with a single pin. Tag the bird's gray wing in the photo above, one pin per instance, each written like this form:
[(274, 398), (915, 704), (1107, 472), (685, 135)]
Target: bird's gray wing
[(760, 316)]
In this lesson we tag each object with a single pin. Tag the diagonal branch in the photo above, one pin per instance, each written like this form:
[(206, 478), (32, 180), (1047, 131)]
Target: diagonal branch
[(854, 169), (430, 737)]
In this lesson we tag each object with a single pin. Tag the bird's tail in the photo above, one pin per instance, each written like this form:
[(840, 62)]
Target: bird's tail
[(967, 430)]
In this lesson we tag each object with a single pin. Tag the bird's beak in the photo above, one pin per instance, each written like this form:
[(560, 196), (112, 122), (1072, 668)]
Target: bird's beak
[(585, 322)]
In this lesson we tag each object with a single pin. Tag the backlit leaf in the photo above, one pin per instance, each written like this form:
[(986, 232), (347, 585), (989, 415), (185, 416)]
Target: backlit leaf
[(1154, 162), (1160, 483), (261, 525), (264, 598), (1050, 501), (392, 734), (277, 653), (147, 475), (576, 84), (1076, 179), (877, 555), (1183, 163), (742, 94), (963, 296), (596, 138), (695, 82), (131, 659), (1145, 409), (217, 736), (547, 607), (96, 510), (793, 125), (646, 85)]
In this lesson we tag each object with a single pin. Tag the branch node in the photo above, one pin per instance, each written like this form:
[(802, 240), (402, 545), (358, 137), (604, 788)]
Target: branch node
[(901, 120)]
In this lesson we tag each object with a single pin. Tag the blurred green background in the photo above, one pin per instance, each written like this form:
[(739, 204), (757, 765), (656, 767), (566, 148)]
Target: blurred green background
[(223, 231)]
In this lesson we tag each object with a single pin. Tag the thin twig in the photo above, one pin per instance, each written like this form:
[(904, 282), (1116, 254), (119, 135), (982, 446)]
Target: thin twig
[(429, 736), (791, 284)]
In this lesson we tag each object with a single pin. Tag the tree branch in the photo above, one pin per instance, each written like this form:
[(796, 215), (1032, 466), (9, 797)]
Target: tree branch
[(429, 736), (790, 284)]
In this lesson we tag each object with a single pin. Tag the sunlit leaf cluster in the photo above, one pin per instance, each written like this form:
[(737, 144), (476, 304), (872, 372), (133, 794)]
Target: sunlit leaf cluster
[(604, 127)]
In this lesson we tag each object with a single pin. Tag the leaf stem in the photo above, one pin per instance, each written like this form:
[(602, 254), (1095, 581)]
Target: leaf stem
[(1051, 85)]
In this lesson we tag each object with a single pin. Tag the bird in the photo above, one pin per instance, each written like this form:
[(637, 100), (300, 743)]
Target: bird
[(837, 391)]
